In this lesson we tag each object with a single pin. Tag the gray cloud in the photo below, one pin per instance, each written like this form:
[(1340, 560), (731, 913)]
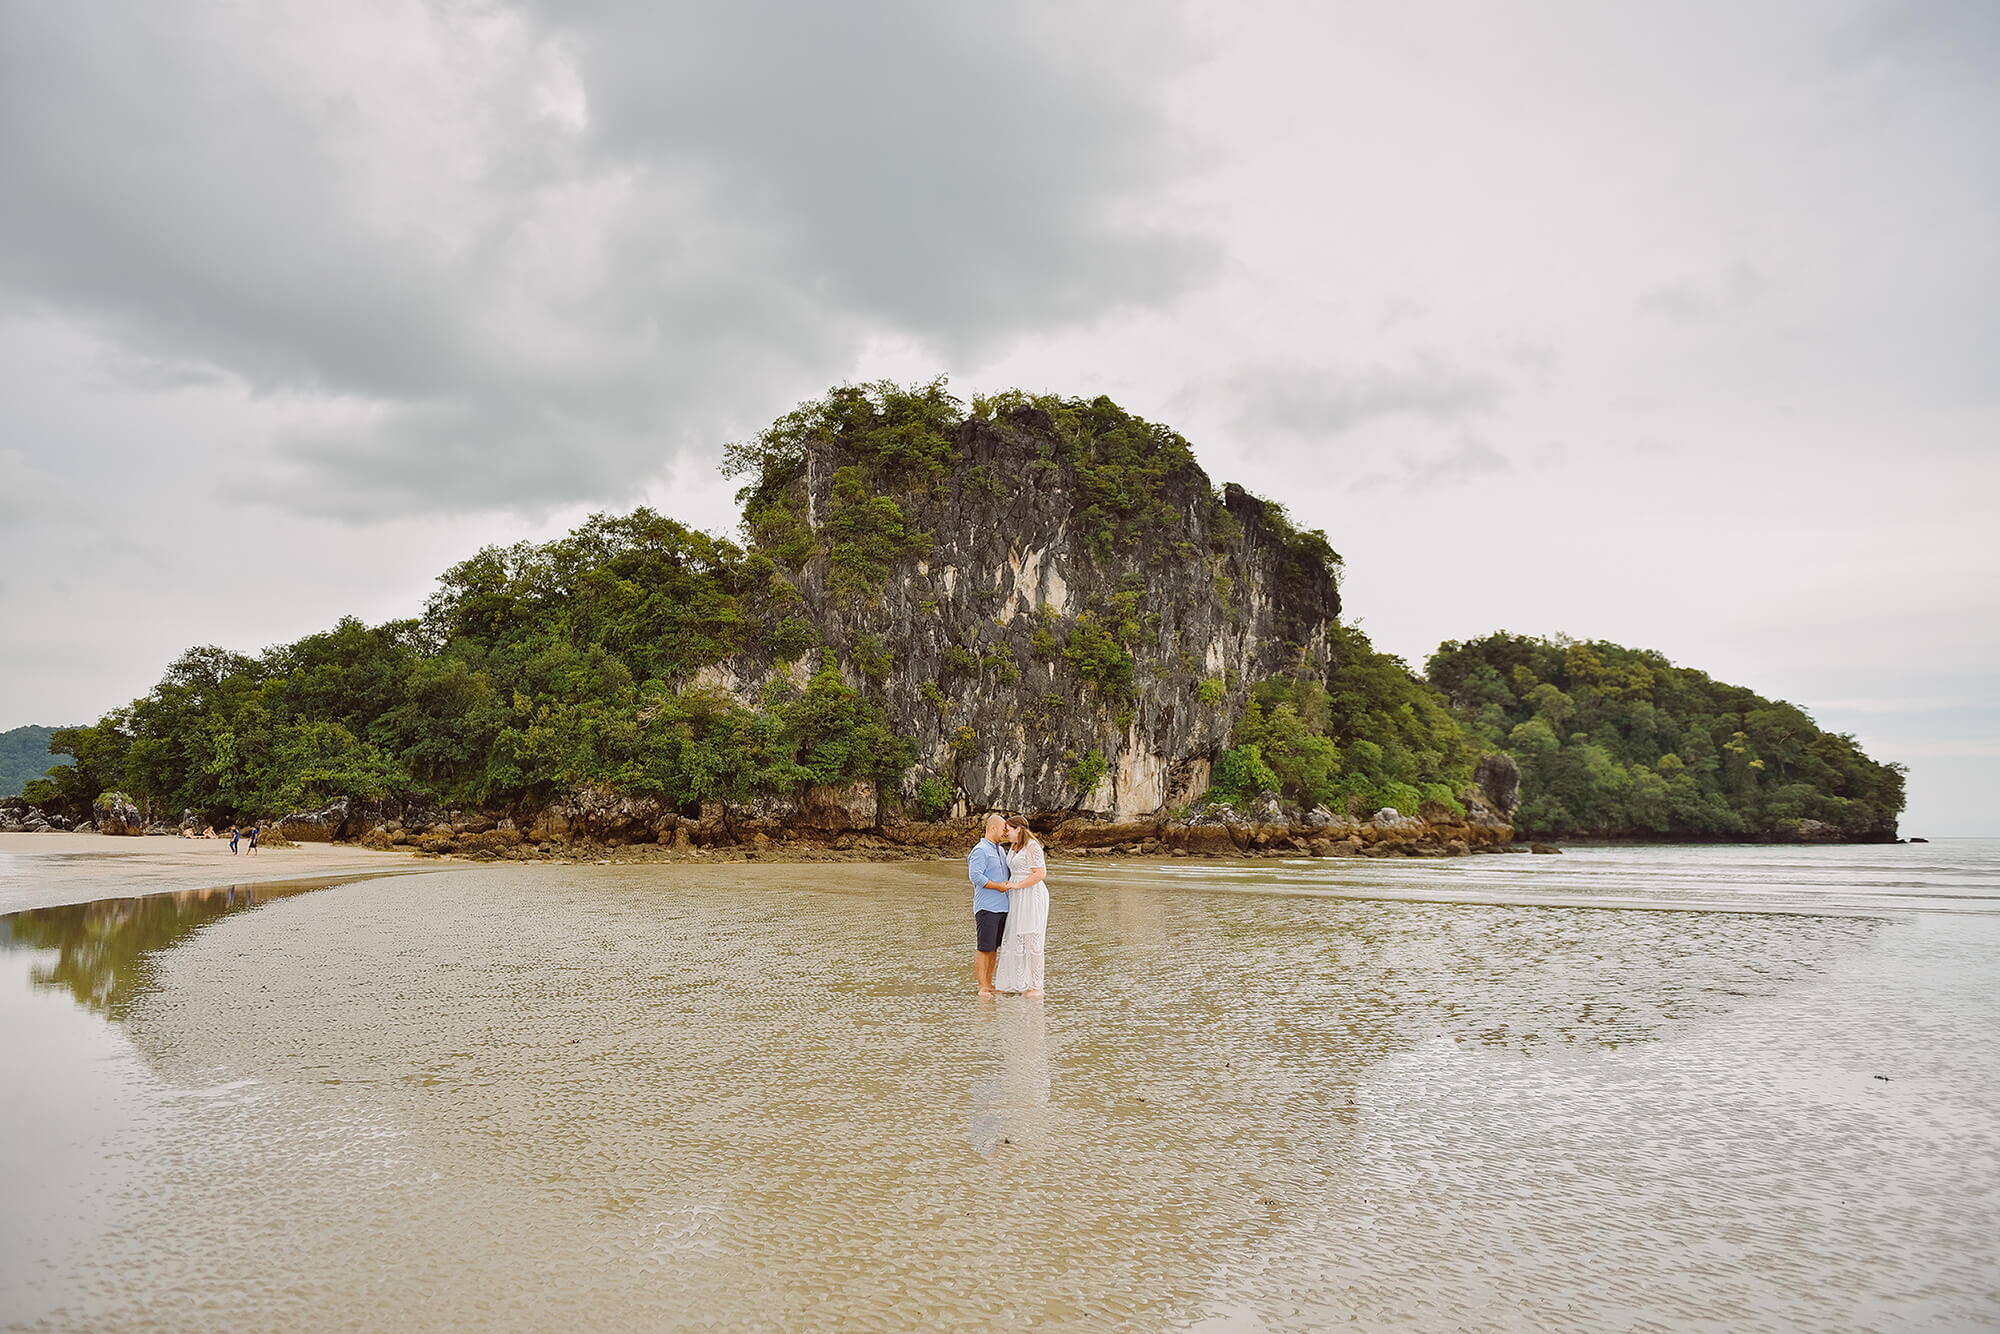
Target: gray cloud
[(1696, 301), (521, 255), (1463, 461), (959, 170), (1940, 39), (1317, 403)]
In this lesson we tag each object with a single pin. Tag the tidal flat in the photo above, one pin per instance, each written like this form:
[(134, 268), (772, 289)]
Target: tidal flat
[(1648, 1088)]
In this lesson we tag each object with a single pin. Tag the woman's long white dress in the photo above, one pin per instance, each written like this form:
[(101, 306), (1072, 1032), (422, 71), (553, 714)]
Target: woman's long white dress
[(1019, 967)]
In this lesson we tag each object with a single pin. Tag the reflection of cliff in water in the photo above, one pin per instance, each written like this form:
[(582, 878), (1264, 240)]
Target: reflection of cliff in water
[(106, 948)]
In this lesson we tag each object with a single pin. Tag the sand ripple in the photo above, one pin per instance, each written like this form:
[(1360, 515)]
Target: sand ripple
[(524, 1098)]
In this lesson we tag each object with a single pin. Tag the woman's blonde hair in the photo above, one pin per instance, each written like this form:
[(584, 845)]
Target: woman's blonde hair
[(1023, 832)]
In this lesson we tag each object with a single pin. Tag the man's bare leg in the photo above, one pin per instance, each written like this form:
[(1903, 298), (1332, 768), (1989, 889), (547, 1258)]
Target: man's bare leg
[(982, 968)]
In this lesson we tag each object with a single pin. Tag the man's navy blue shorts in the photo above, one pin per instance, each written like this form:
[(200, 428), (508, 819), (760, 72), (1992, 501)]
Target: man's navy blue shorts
[(991, 926)]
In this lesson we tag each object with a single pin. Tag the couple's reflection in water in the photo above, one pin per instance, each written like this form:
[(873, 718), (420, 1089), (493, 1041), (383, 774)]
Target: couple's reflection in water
[(1010, 1098)]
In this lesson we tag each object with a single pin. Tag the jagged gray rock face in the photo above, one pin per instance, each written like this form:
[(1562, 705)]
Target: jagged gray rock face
[(1221, 599), (1499, 777)]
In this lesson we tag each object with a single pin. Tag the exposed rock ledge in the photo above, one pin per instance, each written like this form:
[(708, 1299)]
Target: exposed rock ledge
[(18, 817), (844, 823)]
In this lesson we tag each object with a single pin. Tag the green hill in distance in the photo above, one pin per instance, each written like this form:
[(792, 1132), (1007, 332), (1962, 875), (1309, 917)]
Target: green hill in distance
[(1616, 742), (24, 755)]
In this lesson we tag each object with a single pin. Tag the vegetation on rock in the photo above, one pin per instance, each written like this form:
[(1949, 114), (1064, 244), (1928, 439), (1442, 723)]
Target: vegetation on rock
[(1615, 742), (1364, 735), (1040, 560)]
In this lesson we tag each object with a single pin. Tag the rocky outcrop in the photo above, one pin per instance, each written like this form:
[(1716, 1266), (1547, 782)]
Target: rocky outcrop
[(603, 816), (116, 813), (18, 817), (928, 840), (1498, 779), (839, 808), (321, 826), (1009, 638), (1226, 831), (1266, 828), (1812, 831), (349, 819)]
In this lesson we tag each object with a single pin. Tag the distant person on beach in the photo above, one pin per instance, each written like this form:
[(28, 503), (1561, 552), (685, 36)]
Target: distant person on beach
[(1019, 966), (987, 869), (233, 835), (253, 840)]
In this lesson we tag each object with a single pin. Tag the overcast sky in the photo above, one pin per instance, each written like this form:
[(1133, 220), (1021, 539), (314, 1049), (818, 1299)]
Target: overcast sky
[(1674, 325)]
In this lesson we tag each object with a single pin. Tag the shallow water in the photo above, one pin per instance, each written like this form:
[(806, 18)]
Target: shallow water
[(1422, 1095), (38, 870)]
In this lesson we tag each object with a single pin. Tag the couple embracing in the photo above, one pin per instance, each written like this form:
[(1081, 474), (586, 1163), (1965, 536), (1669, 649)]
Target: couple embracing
[(1010, 906)]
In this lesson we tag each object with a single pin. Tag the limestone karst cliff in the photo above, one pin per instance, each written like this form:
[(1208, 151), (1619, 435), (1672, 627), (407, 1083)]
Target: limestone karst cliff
[(1057, 606)]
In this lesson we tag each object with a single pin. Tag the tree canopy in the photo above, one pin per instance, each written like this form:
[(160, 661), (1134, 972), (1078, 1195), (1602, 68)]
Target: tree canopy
[(534, 670), (1362, 735), (1614, 741)]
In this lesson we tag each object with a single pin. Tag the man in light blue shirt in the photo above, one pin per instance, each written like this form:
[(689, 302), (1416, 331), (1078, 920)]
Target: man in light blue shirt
[(987, 869)]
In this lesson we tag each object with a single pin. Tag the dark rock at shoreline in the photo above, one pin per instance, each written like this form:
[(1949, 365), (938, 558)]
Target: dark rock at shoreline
[(348, 819), (824, 828), (321, 826), (1498, 777), (602, 815), (840, 808), (21, 818), (116, 813), (650, 834), (18, 817)]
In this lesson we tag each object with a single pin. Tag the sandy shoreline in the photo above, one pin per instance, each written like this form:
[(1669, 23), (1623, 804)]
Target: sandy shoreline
[(44, 870), (49, 869)]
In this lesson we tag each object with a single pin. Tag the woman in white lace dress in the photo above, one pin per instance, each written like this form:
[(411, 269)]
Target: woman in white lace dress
[(1019, 967)]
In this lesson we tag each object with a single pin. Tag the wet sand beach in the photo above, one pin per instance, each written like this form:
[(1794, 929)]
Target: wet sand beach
[(37, 870), (1417, 1096)]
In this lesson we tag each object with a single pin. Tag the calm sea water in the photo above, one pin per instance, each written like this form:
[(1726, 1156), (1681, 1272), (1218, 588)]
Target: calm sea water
[(1683, 1088)]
